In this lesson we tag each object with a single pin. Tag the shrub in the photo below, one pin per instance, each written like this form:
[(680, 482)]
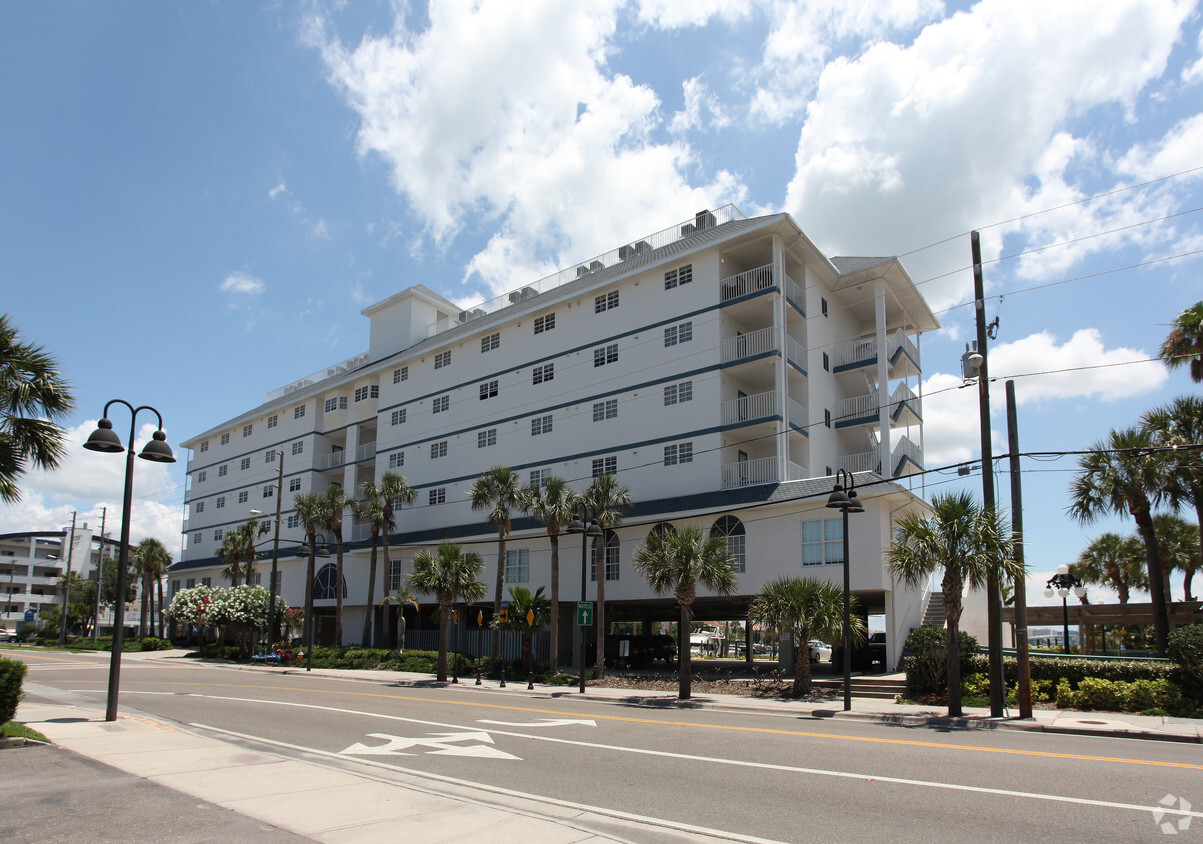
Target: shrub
[(1185, 649), (12, 673), (927, 668), (1118, 695), (1077, 670)]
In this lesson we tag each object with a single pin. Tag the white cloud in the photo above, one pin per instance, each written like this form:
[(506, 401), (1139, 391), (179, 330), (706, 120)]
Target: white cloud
[(702, 109), (672, 14), (277, 190), (242, 283)]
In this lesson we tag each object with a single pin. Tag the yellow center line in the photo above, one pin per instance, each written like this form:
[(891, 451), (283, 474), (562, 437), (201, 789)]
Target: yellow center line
[(694, 724), (58, 659)]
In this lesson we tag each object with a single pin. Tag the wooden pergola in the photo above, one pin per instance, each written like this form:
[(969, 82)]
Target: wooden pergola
[(1088, 616)]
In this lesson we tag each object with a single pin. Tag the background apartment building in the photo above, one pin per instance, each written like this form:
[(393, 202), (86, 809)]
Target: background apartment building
[(723, 369)]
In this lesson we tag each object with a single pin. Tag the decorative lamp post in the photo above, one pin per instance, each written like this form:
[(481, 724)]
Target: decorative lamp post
[(588, 529), (845, 502), (454, 664), (311, 552), (104, 440), (1064, 582)]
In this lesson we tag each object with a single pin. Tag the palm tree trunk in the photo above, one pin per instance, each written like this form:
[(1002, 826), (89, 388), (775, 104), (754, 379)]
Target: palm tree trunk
[(498, 591), (309, 566), (803, 683), (555, 602), (685, 664), (599, 564), (1161, 622), (444, 635), (952, 587), (369, 618), (145, 609), (338, 592), (162, 621)]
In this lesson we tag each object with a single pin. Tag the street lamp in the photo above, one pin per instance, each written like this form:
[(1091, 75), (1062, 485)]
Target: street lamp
[(578, 525), (272, 584), (311, 551), (845, 502), (1064, 583), (104, 440)]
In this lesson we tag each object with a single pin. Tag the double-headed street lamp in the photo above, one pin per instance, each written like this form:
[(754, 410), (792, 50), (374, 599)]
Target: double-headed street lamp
[(103, 439), (1064, 583), (587, 530), (846, 502)]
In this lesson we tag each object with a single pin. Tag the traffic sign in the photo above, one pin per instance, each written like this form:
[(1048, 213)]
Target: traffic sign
[(504, 615), (584, 613)]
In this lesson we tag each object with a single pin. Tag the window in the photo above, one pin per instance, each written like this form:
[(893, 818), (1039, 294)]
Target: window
[(681, 275), (269, 491), (256, 578), (395, 576), (273, 420), (247, 430), (398, 417), (441, 403), (370, 391), (546, 372), (823, 305), (269, 456), (605, 302), (200, 506), (218, 535), (204, 446), (225, 439), (221, 501), (298, 411), (678, 393), (442, 359), (675, 334), (294, 521), (517, 566), (822, 542), (436, 496), (488, 389), (244, 463), (606, 354), (396, 460), (827, 417), (191, 582), (298, 447), (612, 549), (540, 477), (206, 581), (605, 466), (484, 439), (242, 497), (200, 476), (294, 484), (326, 585), (335, 403), (681, 453), (545, 323), (438, 449), (222, 470), (489, 343), (826, 362), (540, 425), (603, 410), (400, 375)]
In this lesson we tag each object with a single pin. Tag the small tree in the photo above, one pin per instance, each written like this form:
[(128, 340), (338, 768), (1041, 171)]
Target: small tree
[(447, 574), (530, 612)]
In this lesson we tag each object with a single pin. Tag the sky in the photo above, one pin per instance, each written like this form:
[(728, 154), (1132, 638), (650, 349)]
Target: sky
[(198, 198)]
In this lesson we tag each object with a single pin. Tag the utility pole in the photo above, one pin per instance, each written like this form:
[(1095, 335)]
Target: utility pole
[(62, 629), (993, 593), (1021, 587), (99, 575)]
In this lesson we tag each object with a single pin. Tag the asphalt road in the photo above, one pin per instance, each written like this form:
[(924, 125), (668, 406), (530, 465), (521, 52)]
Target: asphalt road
[(762, 775)]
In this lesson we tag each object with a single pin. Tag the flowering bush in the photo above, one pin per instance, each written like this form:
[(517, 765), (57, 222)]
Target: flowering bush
[(191, 607), (241, 611)]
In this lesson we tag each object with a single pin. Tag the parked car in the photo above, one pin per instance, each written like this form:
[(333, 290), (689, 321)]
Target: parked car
[(877, 649), (662, 647), (819, 651), (7, 635)]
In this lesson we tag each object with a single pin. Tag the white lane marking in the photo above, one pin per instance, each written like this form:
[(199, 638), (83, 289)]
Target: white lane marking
[(542, 722), (740, 763), (460, 782), (442, 744)]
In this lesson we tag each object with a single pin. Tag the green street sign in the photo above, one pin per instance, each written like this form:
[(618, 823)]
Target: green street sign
[(584, 613)]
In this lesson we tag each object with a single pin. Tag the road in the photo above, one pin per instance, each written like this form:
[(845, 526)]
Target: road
[(755, 775)]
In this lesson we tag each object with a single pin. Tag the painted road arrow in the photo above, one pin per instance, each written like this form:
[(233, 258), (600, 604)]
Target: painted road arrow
[(443, 744), (542, 722)]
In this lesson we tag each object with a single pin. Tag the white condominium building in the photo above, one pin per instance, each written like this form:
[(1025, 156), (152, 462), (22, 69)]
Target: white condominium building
[(723, 369)]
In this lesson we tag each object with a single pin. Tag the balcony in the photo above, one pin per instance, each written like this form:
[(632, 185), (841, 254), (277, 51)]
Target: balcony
[(904, 408), (750, 281), (862, 351), (761, 470), (761, 407), (906, 459), (339, 458)]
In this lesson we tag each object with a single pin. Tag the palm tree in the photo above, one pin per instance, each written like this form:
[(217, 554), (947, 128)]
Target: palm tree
[(32, 395), (336, 501), (806, 609), (1115, 561), (522, 603), (1184, 343), (552, 504), (370, 512), (403, 598), (377, 510), (1120, 476), (678, 560), (1178, 545), (238, 547), (607, 499), (970, 544), (151, 560), (1176, 424), (447, 574), (311, 510), (499, 492)]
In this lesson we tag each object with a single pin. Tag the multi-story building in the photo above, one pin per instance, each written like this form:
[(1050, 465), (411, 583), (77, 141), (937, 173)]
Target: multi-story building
[(723, 369)]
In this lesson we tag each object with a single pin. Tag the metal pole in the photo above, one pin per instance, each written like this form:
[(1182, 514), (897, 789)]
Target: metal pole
[(1022, 660), (454, 665), (119, 600), (1065, 623), (847, 621), (584, 575), (272, 585), (309, 601), (62, 629), (104, 512)]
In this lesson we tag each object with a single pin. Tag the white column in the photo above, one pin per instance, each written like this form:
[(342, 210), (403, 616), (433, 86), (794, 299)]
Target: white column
[(782, 374), (883, 378)]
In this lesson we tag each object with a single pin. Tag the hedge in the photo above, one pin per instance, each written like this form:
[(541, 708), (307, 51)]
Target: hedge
[(12, 673), (1076, 670)]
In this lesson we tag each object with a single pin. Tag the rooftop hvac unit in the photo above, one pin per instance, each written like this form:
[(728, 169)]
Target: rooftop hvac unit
[(595, 265), (467, 316), (582, 270), (687, 229), (524, 293), (704, 220)]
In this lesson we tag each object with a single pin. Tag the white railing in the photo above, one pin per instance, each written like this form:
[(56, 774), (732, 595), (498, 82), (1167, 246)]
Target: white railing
[(332, 460), (761, 470), (365, 451), (900, 340), (906, 448), (857, 350), (795, 352), (701, 221), (321, 375), (865, 461), (793, 291), (750, 281), (797, 415), (857, 407), (748, 345), (749, 408)]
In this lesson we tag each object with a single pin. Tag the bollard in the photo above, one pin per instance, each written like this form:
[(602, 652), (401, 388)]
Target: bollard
[(503, 673), (530, 680)]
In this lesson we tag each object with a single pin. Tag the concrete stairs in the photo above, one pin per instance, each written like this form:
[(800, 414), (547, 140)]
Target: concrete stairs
[(934, 615), (880, 687)]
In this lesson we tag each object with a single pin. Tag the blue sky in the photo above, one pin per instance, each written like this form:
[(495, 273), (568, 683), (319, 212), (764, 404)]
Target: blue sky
[(197, 199)]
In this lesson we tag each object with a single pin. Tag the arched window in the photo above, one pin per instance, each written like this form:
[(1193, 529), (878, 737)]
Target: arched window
[(323, 583), (733, 529), (612, 557), (661, 529)]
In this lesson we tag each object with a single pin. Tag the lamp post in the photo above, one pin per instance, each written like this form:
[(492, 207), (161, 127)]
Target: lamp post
[(845, 502), (587, 528), (104, 440), (312, 552), (1064, 583)]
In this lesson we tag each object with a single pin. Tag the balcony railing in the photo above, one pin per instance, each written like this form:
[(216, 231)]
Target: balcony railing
[(863, 350), (750, 408), (865, 461), (906, 458), (750, 281), (748, 345), (795, 352), (761, 470), (794, 292), (856, 408), (798, 416), (339, 458)]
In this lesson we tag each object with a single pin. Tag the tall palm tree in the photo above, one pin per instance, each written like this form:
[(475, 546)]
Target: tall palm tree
[(1178, 545), (392, 490), (499, 491), (447, 574), (32, 395), (607, 500), (1184, 344), (1120, 476), (1115, 561), (678, 560), (806, 609), (369, 512), (970, 544), (552, 504), (336, 502), (238, 547), (310, 508), (151, 560), (1176, 424)]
